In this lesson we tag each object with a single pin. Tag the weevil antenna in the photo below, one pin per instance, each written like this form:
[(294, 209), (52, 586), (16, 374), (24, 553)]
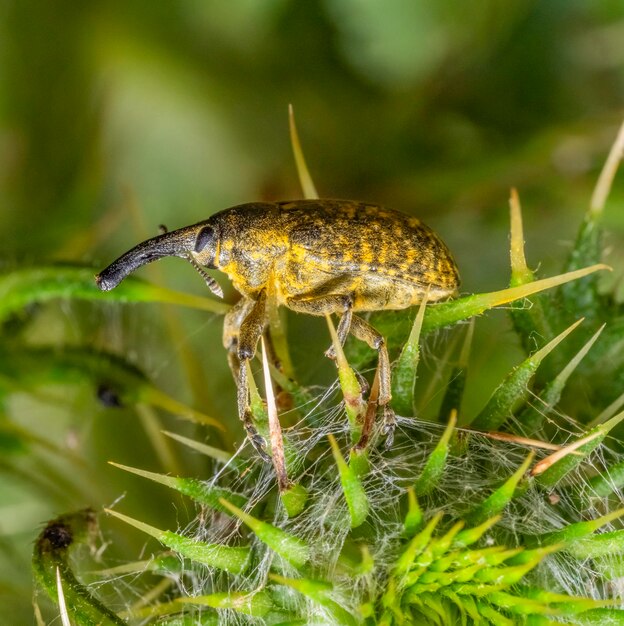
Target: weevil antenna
[(213, 285)]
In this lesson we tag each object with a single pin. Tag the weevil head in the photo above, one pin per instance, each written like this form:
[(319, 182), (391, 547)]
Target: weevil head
[(197, 243)]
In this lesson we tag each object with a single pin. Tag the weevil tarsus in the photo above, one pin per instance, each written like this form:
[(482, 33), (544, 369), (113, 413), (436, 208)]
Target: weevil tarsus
[(389, 420)]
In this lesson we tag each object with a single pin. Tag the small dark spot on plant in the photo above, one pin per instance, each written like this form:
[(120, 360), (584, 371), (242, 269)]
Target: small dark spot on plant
[(59, 535), (108, 396)]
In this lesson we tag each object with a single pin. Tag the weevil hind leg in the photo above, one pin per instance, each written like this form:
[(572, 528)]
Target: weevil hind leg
[(349, 323), (323, 304), (365, 332), (344, 328)]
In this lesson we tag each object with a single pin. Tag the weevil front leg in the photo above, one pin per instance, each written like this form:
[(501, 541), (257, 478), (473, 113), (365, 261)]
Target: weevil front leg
[(245, 414), (365, 332), (231, 330), (242, 329)]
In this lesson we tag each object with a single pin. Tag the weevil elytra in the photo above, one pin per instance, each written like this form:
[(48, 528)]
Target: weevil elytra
[(312, 256)]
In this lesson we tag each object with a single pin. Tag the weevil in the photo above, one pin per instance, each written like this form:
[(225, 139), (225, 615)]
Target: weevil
[(312, 256)]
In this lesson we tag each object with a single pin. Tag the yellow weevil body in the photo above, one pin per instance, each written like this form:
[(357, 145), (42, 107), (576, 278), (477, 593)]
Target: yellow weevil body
[(312, 256)]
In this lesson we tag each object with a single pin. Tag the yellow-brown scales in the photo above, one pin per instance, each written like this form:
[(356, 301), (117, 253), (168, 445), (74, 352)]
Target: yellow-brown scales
[(310, 248)]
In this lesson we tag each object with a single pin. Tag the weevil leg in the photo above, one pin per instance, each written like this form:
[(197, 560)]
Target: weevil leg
[(243, 327), (319, 305), (244, 412), (323, 304), (314, 304), (389, 419), (231, 330), (350, 323), (365, 332), (252, 328), (344, 328), (369, 416)]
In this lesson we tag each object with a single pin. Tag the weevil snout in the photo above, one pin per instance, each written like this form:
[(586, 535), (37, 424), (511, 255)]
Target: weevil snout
[(196, 243)]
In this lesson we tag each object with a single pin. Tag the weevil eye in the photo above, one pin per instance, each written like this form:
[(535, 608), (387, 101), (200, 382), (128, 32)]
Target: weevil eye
[(205, 237)]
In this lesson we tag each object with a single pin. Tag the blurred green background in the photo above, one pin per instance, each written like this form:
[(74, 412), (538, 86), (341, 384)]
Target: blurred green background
[(116, 117)]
